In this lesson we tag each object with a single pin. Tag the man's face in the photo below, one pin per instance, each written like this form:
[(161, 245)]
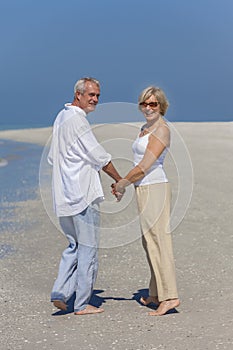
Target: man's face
[(89, 99)]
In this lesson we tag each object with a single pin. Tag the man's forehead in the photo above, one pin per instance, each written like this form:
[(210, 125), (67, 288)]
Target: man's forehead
[(91, 86)]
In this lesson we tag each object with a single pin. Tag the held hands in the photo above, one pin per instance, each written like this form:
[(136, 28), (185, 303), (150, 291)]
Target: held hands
[(118, 191)]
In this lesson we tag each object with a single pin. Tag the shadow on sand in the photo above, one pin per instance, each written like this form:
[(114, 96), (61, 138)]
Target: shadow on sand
[(98, 301)]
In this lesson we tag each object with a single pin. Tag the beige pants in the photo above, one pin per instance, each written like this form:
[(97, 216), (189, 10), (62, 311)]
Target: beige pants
[(154, 209)]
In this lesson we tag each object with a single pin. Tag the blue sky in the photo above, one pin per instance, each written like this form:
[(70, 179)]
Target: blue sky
[(185, 47)]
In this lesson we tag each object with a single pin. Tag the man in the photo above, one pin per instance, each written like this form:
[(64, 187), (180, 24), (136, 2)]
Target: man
[(77, 158)]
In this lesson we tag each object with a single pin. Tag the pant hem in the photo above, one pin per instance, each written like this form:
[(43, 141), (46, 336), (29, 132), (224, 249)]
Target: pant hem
[(58, 296), (81, 308), (168, 298)]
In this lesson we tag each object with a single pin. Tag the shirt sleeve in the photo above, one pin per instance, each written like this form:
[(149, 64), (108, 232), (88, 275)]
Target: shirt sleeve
[(50, 155), (92, 151)]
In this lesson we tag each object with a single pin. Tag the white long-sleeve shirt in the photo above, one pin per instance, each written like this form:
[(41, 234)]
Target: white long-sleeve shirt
[(76, 157)]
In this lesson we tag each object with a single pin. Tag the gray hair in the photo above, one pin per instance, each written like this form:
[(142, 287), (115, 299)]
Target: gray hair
[(80, 84)]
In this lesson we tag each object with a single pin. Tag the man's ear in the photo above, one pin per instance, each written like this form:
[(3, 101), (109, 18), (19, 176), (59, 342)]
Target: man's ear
[(77, 95)]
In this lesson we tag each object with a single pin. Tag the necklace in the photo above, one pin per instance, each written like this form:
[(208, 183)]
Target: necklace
[(144, 132), (147, 130)]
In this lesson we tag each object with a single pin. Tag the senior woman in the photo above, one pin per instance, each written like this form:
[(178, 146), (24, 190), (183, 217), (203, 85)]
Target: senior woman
[(153, 197)]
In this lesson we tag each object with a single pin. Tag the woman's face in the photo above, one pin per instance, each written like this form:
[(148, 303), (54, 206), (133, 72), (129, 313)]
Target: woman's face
[(151, 109)]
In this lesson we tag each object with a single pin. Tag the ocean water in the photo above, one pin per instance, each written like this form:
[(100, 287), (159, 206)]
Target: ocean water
[(19, 180)]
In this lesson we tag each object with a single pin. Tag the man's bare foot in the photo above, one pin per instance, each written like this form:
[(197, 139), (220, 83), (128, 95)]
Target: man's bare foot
[(60, 304), (149, 300), (89, 310), (165, 306)]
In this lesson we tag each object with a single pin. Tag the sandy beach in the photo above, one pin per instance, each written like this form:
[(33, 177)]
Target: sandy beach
[(31, 247)]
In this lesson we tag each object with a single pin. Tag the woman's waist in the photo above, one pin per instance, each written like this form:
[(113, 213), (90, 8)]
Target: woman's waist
[(156, 167), (156, 175)]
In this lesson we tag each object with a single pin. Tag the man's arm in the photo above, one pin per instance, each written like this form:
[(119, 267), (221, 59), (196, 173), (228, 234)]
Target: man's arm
[(111, 171)]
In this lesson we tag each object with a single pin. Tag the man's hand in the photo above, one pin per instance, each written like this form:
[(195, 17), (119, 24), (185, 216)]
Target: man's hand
[(117, 191)]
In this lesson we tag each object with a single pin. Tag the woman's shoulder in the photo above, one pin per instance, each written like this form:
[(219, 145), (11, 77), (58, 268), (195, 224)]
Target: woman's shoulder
[(162, 133), (162, 129)]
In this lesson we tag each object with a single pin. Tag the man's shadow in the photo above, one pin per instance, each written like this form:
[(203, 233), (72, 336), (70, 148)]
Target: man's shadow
[(98, 301), (95, 300)]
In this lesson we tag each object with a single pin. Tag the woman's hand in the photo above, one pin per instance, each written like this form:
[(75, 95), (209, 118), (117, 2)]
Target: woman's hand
[(118, 191)]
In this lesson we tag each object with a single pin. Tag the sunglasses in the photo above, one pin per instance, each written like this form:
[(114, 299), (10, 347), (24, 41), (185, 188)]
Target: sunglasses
[(150, 104)]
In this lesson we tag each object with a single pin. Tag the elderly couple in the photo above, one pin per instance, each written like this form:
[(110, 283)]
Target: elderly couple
[(76, 158)]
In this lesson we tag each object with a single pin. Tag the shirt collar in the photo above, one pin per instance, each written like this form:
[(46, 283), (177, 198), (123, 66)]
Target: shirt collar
[(76, 108)]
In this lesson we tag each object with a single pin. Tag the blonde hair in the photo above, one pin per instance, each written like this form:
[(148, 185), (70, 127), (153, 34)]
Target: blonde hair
[(156, 92), (80, 84)]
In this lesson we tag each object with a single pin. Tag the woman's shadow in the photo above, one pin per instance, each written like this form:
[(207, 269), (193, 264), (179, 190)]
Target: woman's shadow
[(145, 293)]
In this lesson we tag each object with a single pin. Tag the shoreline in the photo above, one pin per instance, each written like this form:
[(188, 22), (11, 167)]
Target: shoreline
[(32, 135), (3, 162), (40, 136)]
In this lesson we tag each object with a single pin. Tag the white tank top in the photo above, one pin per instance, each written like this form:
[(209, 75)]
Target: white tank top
[(156, 173)]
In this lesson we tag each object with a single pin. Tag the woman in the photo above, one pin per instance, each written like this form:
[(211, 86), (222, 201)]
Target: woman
[(153, 197)]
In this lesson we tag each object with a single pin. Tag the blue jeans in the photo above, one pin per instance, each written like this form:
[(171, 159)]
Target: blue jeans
[(79, 262)]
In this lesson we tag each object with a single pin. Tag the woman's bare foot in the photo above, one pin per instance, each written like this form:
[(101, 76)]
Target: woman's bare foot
[(89, 310), (149, 300), (165, 306)]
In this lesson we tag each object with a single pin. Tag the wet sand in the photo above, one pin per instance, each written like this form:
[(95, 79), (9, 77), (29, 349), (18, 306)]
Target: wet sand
[(203, 244)]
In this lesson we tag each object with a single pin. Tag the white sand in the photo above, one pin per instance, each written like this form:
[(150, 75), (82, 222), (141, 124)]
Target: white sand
[(38, 136), (203, 250)]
